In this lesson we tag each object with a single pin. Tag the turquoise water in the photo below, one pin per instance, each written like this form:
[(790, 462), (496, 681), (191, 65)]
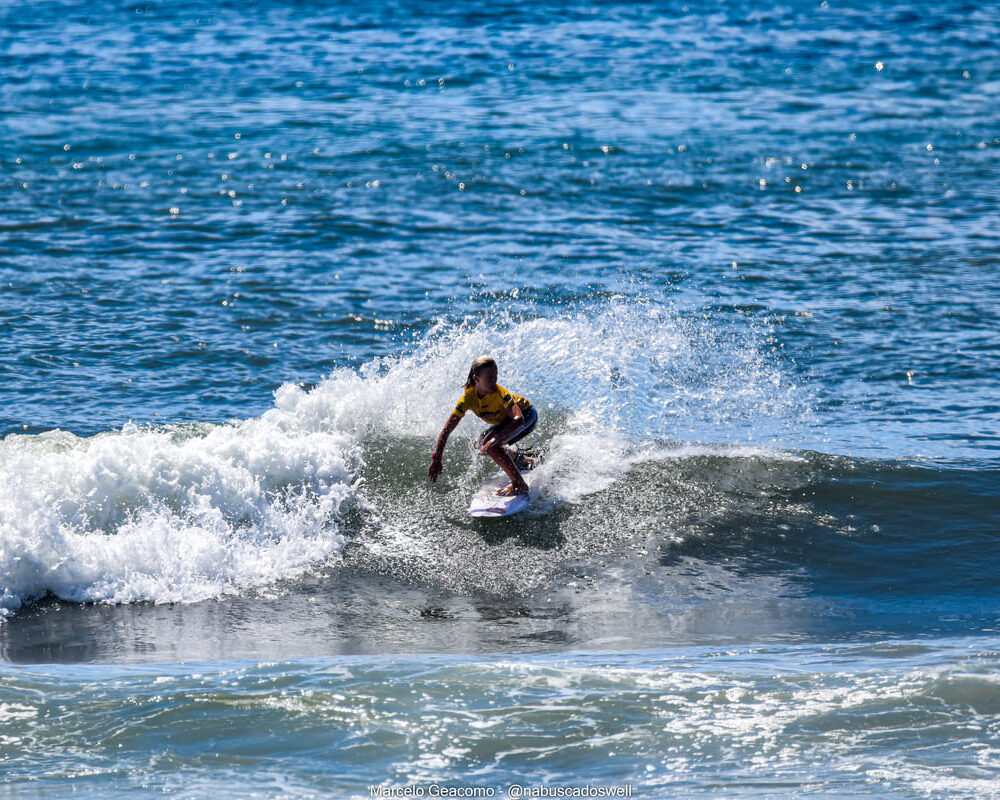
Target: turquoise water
[(742, 260)]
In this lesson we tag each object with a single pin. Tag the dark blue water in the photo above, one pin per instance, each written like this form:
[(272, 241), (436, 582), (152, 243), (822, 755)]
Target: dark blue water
[(742, 259)]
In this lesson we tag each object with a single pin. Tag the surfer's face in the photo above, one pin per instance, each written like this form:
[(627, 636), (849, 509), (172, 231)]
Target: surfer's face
[(486, 380)]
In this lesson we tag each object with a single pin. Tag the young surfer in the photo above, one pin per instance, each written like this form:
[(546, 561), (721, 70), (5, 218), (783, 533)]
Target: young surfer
[(511, 417)]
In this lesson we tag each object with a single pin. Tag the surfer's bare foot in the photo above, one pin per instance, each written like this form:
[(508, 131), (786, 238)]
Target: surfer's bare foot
[(507, 491), (521, 460)]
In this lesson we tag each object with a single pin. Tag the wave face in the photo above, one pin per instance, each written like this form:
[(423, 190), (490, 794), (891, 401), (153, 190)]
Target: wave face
[(670, 472), (187, 512)]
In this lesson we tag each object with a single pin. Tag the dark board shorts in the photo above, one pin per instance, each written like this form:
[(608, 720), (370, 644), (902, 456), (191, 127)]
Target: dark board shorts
[(515, 435)]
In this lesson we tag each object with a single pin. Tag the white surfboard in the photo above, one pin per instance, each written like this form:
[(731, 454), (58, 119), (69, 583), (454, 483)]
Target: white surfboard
[(487, 503)]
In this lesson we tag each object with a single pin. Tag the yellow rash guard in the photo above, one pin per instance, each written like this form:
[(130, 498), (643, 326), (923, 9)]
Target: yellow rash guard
[(492, 408)]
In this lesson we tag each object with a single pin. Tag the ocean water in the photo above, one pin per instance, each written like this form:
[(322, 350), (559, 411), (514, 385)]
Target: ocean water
[(743, 259)]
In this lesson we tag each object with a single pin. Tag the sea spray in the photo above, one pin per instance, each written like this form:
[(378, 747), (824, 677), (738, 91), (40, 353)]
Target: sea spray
[(183, 513)]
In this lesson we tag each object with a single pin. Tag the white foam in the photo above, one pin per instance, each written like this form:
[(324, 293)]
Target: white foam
[(168, 514), (611, 383)]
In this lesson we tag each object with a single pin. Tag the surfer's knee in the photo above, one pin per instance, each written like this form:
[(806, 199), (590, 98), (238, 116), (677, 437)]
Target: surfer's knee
[(495, 450)]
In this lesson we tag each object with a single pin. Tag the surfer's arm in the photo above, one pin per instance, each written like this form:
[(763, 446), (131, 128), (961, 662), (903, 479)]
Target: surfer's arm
[(436, 466)]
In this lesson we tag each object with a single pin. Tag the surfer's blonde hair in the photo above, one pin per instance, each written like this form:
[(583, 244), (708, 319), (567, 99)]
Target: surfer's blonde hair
[(479, 364)]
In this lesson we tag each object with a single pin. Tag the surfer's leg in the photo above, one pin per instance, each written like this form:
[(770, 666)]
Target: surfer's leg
[(521, 428), (514, 432), (500, 455)]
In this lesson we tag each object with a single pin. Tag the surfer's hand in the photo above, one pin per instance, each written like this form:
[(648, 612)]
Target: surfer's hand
[(435, 469)]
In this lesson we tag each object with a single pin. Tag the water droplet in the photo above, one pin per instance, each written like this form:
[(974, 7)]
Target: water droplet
[(174, 211), (879, 66)]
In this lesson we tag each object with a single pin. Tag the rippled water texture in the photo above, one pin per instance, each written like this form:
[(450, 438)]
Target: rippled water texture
[(199, 204)]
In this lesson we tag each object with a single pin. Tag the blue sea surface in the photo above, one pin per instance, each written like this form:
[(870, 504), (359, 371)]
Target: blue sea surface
[(742, 258)]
